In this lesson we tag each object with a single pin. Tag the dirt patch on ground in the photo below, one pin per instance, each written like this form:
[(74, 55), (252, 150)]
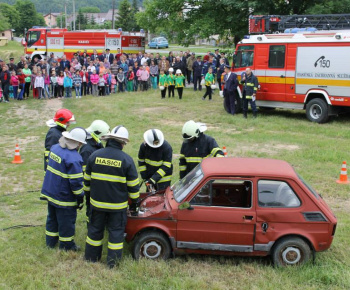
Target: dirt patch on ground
[(269, 148), (338, 204), (151, 110), (171, 123)]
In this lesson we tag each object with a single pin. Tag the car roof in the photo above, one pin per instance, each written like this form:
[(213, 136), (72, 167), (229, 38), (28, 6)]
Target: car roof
[(248, 167)]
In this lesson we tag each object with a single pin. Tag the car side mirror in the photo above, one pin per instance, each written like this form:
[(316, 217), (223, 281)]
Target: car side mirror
[(185, 205)]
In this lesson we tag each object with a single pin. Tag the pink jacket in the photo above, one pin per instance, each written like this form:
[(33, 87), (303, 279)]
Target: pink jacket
[(143, 75), (94, 78), (47, 80)]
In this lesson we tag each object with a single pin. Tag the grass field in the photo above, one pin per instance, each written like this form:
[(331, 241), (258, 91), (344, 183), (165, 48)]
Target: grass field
[(316, 151)]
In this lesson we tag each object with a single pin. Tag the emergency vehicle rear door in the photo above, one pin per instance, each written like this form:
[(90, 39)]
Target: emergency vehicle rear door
[(55, 43), (113, 41)]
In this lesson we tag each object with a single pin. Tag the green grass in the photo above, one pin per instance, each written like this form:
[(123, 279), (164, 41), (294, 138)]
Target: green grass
[(316, 151), (12, 49)]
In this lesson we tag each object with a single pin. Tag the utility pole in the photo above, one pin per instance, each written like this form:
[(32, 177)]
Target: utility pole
[(65, 12), (73, 15), (113, 20)]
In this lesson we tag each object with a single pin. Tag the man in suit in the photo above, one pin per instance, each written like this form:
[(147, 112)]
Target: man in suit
[(109, 55), (197, 73), (230, 89), (94, 55), (64, 63)]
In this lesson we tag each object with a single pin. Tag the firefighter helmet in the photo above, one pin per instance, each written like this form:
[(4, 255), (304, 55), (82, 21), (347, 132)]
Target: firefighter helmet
[(161, 88), (119, 133), (154, 138), (76, 134), (64, 117), (178, 71), (99, 128), (190, 130), (171, 69)]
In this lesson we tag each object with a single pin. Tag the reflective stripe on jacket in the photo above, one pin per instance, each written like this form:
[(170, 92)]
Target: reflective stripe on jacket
[(53, 135), (250, 85)]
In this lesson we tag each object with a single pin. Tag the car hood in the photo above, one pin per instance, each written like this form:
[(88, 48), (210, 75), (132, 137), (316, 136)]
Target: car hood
[(154, 206)]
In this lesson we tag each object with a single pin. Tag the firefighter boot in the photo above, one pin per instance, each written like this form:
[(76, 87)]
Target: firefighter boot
[(255, 114), (245, 115)]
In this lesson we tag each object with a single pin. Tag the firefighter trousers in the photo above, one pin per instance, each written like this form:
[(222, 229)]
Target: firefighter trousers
[(115, 223), (252, 105), (60, 226)]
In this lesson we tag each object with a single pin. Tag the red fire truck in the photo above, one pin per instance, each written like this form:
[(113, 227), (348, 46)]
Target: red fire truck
[(41, 41), (309, 70)]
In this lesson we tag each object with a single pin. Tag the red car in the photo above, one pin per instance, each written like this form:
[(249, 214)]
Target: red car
[(234, 206)]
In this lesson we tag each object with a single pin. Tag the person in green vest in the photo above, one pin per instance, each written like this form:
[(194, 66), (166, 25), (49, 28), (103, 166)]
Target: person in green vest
[(179, 82), (163, 83), (209, 81), (171, 82), (27, 73)]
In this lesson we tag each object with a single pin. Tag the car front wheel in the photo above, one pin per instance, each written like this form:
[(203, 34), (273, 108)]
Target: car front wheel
[(317, 111), (151, 245), (291, 252)]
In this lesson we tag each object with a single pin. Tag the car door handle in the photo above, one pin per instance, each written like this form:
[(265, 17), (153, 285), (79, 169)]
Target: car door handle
[(282, 76), (248, 217)]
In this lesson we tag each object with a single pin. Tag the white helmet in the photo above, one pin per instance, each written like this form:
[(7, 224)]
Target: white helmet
[(99, 128), (171, 69), (154, 138), (119, 133), (76, 134), (178, 71), (161, 88), (190, 130), (213, 87)]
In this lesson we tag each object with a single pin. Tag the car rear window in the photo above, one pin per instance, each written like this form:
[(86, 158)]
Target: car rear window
[(309, 187), (274, 193)]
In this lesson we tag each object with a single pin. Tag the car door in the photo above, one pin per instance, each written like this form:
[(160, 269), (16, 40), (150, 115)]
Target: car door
[(221, 217)]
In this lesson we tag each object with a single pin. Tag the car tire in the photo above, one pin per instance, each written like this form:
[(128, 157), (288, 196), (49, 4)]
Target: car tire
[(291, 252), (317, 111), (238, 105), (151, 245)]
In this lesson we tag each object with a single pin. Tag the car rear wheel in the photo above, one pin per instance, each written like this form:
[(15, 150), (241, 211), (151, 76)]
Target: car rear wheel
[(151, 245), (291, 252), (317, 111)]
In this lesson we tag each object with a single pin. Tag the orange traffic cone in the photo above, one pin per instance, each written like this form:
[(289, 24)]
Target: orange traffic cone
[(17, 159), (343, 178), (225, 151)]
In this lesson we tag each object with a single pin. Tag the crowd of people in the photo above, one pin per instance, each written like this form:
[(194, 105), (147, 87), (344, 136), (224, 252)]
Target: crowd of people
[(78, 164), (101, 74)]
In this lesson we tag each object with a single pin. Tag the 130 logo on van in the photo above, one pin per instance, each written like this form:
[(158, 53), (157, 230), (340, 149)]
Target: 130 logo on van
[(323, 62)]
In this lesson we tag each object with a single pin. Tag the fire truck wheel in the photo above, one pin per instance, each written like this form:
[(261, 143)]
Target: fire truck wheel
[(238, 105), (151, 245), (291, 251), (317, 111)]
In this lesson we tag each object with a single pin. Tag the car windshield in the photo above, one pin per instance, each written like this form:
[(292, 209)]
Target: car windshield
[(184, 186), (309, 187)]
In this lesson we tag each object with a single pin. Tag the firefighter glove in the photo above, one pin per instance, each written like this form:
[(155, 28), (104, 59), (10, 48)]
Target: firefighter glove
[(80, 201)]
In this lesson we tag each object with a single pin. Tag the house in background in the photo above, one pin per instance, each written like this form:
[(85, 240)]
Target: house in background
[(51, 19), (8, 34)]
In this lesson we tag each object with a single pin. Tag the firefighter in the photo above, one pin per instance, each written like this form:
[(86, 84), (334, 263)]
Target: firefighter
[(250, 82), (63, 189), (196, 146), (155, 157), (97, 129), (60, 122), (111, 178)]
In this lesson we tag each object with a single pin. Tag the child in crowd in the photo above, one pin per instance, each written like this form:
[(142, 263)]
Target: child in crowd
[(163, 82), (60, 81), (113, 84), (85, 79), (94, 78), (120, 78), (77, 84), (171, 83), (21, 78), (54, 84), (46, 91), (179, 82), (136, 81), (209, 80), (89, 83), (32, 81), (68, 84), (14, 82), (144, 76), (107, 77), (154, 74), (39, 85), (130, 77), (101, 85)]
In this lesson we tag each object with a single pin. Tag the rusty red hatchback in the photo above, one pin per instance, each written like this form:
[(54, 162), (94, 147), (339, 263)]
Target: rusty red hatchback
[(234, 206)]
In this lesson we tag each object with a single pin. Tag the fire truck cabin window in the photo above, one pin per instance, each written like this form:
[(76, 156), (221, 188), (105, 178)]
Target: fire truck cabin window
[(244, 56), (224, 193), (32, 37), (277, 56)]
